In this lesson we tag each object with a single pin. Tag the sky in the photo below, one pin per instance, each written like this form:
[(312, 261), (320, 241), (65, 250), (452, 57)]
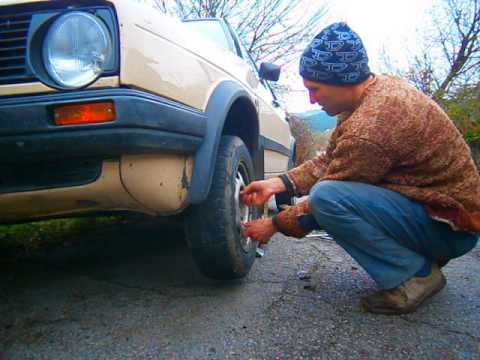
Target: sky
[(381, 24)]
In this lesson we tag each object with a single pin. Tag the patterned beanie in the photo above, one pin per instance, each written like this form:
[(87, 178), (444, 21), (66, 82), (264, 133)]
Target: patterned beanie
[(336, 56)]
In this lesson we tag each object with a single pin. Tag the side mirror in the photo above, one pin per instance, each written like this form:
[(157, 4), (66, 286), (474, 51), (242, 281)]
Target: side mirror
[(269, 71)]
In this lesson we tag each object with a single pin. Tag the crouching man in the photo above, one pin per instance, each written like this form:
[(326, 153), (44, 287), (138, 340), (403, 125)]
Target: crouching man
[(396, 187)]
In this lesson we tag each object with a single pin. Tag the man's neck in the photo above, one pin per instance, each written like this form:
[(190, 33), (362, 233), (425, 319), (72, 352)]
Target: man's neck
[(359, 90)]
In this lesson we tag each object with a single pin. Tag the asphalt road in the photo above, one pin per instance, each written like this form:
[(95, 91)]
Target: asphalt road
[(132, 292)]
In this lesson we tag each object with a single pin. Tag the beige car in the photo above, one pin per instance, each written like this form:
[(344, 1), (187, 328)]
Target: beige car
[(111, 106)]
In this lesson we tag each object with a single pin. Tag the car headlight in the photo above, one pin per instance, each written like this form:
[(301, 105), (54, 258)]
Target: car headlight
[(76, 48)]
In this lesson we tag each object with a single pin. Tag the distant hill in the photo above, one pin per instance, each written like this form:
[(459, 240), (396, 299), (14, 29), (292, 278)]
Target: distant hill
[(318, 120)]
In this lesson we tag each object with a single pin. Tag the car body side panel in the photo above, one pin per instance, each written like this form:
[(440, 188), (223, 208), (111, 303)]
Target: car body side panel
[(150, 184), (163, 56), (273, 127), (275, 161), (105, 194), (158, 182)]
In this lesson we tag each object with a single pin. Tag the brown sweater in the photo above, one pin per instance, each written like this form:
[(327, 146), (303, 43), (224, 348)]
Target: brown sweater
[(399, 139)]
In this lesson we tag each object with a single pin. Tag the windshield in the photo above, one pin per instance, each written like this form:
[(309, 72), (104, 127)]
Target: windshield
[(212, 30)]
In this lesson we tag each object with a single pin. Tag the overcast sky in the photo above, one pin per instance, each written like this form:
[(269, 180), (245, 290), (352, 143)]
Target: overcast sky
[(389, 24)]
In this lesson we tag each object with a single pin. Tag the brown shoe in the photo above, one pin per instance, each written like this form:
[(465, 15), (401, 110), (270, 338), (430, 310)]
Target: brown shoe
[(407, 297)]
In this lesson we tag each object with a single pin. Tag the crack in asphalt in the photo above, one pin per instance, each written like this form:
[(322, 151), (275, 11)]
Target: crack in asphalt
[(321, 252), (284, 292), (262, 281), (447, 330), (279, 299), (339, 311), (126, 286), (32, 323), (152, 290)]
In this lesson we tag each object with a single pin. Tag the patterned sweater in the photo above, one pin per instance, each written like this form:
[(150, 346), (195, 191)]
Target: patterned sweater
[(399, 139)]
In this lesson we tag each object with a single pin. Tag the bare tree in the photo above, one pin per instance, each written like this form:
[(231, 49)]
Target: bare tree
[(451, 57), (422, 74), (272, 30), (162, 5)]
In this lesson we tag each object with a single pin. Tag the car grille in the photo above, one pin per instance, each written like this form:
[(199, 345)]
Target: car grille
[(37, 176), (13, 46)]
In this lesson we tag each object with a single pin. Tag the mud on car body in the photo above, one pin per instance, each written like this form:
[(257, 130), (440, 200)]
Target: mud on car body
[(110, 106)]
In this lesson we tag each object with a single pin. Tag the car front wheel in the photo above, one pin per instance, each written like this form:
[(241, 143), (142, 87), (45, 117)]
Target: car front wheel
[(214, 227)]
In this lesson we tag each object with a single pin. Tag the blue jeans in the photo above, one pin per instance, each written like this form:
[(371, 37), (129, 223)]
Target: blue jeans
[(389, 235)]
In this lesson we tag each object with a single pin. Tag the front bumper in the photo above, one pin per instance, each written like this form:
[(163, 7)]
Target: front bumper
[(145, 124)]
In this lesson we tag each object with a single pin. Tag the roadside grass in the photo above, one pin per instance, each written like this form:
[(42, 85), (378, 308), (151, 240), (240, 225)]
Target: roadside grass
[(28, 237)]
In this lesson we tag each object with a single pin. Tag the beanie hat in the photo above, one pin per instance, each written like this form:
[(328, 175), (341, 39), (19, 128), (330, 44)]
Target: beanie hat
[(336, 56)]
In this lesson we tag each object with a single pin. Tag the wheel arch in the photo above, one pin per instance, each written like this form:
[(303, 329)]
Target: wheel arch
[(230, 111)]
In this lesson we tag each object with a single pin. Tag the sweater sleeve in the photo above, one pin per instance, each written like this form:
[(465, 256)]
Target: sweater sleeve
[(287, 223), (307, 174)]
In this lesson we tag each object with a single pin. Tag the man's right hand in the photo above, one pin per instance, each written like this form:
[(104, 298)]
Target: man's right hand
[(258, 192)]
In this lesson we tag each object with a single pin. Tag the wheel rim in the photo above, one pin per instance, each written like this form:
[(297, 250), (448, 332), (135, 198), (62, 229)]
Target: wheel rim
[(243, 212)]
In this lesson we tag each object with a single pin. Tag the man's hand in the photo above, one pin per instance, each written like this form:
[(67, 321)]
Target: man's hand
[(261, 230), (258, 192)]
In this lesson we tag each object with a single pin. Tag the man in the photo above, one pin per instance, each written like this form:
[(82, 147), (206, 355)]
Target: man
[(396, 188)]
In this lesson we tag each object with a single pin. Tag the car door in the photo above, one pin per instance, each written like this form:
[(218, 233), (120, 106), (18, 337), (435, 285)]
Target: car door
[(274, 130)]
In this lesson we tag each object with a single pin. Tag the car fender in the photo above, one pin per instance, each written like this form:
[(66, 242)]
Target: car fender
[(219, 104)]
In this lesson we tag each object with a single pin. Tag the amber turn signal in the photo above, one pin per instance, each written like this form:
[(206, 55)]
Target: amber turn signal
[(79, 114)]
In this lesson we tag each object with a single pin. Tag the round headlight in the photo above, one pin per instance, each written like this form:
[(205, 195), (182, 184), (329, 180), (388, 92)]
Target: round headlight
[(76, 49)]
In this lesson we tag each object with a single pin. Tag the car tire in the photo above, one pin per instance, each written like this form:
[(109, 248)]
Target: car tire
[(214, 227)]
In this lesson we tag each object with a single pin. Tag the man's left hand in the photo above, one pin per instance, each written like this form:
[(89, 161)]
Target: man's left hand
[(261, 230)]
